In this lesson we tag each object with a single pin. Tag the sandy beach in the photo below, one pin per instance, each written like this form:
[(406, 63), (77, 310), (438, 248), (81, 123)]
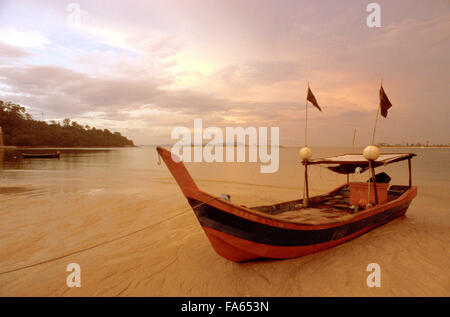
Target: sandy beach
[(133, 234)]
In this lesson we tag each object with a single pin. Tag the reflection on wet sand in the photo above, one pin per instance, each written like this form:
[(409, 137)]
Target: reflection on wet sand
[(14, 190)]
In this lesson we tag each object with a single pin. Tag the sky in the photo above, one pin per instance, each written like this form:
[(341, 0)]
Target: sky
[(145, 67)]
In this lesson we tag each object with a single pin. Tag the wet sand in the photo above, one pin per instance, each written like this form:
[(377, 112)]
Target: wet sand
[(137, 236)]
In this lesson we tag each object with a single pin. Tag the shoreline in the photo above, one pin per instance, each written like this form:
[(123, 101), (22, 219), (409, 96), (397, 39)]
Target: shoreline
[(417, 147), (154, 145), (65, 147)]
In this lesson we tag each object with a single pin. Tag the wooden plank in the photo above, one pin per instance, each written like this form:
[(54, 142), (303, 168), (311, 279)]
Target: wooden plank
[(404, 156)]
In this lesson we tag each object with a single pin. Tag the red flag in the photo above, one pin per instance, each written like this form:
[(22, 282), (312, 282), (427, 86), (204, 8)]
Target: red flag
[(385, 104), (312, 99)]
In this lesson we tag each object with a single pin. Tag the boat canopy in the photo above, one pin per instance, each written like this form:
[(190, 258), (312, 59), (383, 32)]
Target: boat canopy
[(349, 163)]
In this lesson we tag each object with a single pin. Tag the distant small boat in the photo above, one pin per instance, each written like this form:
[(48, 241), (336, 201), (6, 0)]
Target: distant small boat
[(43, 155), (290, 229)]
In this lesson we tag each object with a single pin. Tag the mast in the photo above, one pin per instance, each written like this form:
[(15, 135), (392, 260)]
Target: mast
[(409, 169), (378, 112), (305, 161), (353, 151), (375, 126), (374, 180), (306, 118), (305, 153)]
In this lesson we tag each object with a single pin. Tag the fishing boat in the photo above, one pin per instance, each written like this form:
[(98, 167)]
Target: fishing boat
[(299, 227), (43, 155)]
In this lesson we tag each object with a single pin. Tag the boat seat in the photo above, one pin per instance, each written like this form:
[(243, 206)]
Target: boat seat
[(398, 188), (396, 191)]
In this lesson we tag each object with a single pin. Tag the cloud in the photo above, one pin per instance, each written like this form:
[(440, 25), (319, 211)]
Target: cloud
[(20, 38), (258, 73), (155, 65), (11, 52), (50, 86), (61, 92)]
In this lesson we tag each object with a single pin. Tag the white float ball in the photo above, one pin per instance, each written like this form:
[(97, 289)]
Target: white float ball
[(371, 152), (305, 153)]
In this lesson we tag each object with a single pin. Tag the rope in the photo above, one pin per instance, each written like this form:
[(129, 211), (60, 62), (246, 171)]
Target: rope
[(106, 242), (159, 159)]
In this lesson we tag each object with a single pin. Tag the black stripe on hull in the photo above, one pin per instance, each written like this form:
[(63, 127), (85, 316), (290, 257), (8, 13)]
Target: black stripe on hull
[(261, 233)]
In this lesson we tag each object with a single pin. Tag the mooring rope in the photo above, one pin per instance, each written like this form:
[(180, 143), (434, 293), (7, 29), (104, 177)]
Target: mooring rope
[(159, 159), (109, 241)]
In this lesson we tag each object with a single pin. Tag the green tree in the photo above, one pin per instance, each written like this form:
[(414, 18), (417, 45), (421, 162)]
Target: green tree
[(20, 129)]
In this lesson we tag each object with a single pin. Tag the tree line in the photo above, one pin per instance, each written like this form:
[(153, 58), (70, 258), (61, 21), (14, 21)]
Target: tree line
[(20, 129), (413, 144)]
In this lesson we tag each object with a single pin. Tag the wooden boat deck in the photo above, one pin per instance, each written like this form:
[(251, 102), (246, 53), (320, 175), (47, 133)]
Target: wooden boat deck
[(313, 215), (329, 208)]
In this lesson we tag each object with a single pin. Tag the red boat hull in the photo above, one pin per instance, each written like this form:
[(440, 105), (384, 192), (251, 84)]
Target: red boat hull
[(240, 250), (238, 233), (241, 236)]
